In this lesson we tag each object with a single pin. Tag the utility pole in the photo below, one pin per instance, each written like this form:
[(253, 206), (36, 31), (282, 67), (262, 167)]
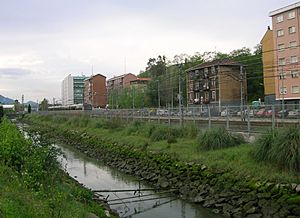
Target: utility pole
[(158, 93), (242, 91), (180, 97), (132, 98)]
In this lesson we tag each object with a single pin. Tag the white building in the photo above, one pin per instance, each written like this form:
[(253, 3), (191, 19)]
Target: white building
[(73, 90)]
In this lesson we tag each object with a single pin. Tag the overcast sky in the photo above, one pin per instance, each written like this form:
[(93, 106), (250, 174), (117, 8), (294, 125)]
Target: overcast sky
[(42, 41)]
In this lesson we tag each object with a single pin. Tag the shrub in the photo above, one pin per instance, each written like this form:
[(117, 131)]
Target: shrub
[(164, 133), (217, 138), (134, 128), (190, 131), (114, 123), (280, 147)]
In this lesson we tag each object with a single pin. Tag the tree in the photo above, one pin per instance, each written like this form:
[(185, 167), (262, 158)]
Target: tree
[(1, 112), (29, 109), (44, 105)]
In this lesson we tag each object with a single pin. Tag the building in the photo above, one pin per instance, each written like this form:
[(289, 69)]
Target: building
[(286, 39), (218, 83), (140, 82), (95, 92), (268, 66), (119, 82), (73, 90)]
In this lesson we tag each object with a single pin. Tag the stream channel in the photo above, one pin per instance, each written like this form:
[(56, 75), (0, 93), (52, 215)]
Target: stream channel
[(94, 175)]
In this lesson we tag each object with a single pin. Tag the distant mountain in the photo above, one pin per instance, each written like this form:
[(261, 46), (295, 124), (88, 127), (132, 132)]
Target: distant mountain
[(32, 103), (5, 100)]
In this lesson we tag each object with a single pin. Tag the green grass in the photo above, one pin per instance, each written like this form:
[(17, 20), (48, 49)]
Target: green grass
[(217, 138), (281, 147), (31, 183), (237, 160)]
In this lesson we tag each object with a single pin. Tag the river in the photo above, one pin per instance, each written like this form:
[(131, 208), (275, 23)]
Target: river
[(95, 175)]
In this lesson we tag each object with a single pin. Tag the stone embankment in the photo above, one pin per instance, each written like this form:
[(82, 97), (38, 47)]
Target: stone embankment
[(220, 191)]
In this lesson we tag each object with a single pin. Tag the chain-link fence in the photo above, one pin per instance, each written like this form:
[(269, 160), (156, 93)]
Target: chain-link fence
[(245, 119)]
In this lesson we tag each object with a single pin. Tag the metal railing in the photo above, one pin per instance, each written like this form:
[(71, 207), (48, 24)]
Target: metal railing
[(247, 119)]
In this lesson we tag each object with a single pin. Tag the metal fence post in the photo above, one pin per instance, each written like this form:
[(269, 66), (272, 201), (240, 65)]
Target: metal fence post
[(169, 118), (193, 111), (227, 118), (273, 117), (209, 118), (248, 121)]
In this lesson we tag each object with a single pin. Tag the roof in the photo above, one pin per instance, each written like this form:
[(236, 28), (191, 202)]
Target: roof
[(98, 74), (219, 62), (266, 35), (284, 9), (121, 76)]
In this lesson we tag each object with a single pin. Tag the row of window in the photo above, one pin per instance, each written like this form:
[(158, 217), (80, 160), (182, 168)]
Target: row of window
[(291, 15), (291, 30), (293, 59), (294, 90), (281, 47), (294, 74)]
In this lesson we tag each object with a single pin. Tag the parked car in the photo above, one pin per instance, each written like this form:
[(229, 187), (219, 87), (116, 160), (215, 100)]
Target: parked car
[(294, 114), (162, 112), (245, 113), (261, 112), (283, 113), (228, 112)]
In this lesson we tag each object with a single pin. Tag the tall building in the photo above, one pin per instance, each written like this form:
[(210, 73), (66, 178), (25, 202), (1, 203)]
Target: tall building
[(217, 83), (286, 39), (269, 71), (73, 90), (95, 92)]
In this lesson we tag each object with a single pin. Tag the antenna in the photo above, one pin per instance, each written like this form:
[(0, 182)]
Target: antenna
[(125, 65), (92, 70)]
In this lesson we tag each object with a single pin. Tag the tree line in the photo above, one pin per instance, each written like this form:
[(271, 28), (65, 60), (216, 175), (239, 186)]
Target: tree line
[(168, 76)]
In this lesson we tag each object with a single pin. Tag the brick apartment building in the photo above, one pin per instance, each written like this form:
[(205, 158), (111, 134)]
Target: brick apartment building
[(95, 92), (119, 82), (217, 83), (286, 39)]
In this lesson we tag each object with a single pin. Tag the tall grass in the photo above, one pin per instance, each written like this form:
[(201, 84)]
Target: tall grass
[(281, 148), (217, 138)]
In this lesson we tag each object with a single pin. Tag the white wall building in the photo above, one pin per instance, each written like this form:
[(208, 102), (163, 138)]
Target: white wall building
[(73, 90)]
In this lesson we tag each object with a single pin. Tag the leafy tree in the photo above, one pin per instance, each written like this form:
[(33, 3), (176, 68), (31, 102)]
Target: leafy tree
[(1, 112), (29, 109), (44, 105)]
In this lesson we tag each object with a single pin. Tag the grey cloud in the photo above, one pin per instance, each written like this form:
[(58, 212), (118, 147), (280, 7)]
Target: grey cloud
[(13, 73)]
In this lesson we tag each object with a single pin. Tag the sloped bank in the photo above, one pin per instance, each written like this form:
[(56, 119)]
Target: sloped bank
[(218, 190)]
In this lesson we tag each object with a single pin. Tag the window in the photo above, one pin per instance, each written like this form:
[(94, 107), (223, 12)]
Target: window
[(292, 29), (294, 73), (294, 59), (282, 75), (295, 89), (283, 90), (293, 44), (280, 47), (280, 33), (281, 61), (213, 95), (291, 14), (279, 18)]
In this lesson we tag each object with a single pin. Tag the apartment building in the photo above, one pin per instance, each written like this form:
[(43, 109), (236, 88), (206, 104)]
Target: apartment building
[(286, 24), (140, 83), (73, 90), (95, 92), (217, 83), (121, 81), (269, 71)]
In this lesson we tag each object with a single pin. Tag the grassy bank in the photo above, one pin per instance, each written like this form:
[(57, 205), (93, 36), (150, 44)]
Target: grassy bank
[(179, 143), (32, 184)]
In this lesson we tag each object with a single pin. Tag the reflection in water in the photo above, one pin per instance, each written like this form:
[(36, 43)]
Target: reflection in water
[(96, 176)]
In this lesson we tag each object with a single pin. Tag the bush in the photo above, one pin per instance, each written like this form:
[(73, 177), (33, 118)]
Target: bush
[(164, 133), (217, 138), (280, 147), (114, 123), (190, 131), (134, 128)]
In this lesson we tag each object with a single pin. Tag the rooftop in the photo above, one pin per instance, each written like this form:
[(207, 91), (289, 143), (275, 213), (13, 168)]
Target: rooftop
[(284, 9), (219, 62)]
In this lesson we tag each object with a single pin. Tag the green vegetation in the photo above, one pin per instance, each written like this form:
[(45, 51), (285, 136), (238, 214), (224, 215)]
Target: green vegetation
[(182, 144), (33, 185), (1, 112), (218, 138), (280, 147)]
